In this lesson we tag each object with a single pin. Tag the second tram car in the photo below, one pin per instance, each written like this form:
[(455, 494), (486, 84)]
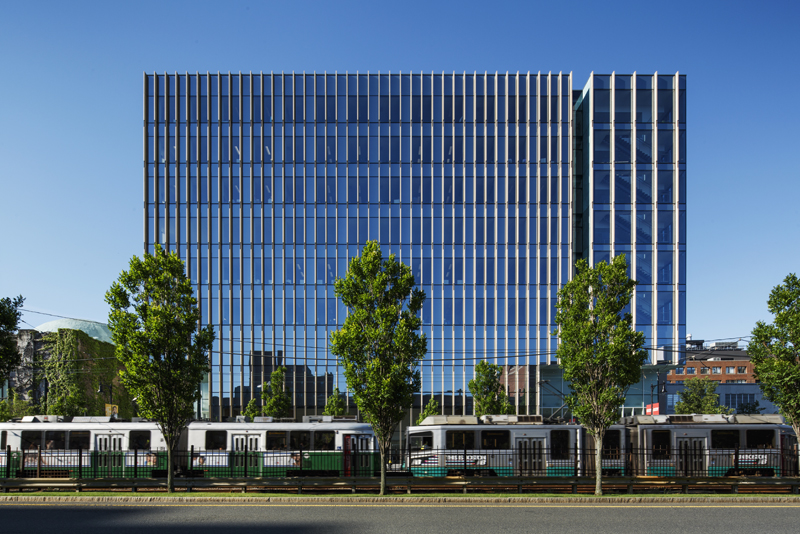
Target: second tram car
[(500, 445)]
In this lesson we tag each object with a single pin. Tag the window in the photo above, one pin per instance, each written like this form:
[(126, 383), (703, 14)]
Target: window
[(690, 370), (80, 439), (495, 439), (730, 370), (324, 441), (460, 439), (55, 440), (716, 370), (421, 441), (704, 370), (276, 441), (679, 371), (760, 439), (300, 441), (611, 445), (139, 439), (660, 442), (724, 439), (216, 440), (559, 445), (31, 439), (741, 370)]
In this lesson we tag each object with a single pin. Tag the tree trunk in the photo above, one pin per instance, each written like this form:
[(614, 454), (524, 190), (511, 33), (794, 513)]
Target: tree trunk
[(170, 474), (598, 462), (383, 445)]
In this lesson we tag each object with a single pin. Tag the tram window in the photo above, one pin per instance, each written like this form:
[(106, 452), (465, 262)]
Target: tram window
[(495, 439), (660, 444), (139, 439), (31, 439), (724, 439), (760, 439), (55, 440), (324, 441), (460, 439), (79, 439), (559, 444), (216, 440), (276, 441), (300, 440), (611, 445), (421, 441)]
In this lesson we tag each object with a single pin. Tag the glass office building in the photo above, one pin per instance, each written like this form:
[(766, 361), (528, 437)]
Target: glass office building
[(490, 186)]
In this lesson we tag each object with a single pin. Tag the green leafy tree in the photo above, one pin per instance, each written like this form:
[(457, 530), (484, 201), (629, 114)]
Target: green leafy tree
[(252, 410), (10, 314), (488, 394), (775, 351), (276, 401), (379, 345), (154, 322), (600, 353), (432, 408), (14, 406), (699, 396), (335, 404), (750, 408)]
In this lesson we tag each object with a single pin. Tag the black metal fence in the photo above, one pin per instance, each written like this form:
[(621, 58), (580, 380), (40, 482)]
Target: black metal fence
[(528, 461)]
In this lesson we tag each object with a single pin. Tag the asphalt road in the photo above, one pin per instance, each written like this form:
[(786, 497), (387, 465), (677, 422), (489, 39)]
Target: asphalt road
[(397, 518)]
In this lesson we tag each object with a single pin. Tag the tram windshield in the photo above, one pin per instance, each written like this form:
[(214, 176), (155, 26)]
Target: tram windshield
[(559, 444), (276, 441), (421, 441)]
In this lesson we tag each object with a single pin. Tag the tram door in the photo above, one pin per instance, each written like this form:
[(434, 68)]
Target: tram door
[(356, 455), (248, 443), (109, 454), (691, 456), (530, 456)]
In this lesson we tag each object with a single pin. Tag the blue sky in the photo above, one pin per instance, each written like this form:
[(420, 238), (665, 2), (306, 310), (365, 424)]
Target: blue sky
[(71, 112)]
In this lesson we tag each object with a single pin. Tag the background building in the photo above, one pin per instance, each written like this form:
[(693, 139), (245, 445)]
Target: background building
[(727, 364), (490, 186)]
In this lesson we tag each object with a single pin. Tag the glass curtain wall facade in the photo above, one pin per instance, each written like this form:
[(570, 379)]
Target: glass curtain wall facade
[(266, 184), (632, 182)]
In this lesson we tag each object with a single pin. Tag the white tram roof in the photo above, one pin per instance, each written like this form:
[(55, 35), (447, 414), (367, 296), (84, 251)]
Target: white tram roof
[(695, 418), (278, 427)]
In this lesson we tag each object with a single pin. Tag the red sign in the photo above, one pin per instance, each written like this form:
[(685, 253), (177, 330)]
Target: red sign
[(651, 409)]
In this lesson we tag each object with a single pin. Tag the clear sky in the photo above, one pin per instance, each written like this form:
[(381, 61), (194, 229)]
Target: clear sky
[(71, 205)]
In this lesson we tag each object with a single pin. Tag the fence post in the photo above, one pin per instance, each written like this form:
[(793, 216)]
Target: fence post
[(80, 463), (575, 461), (300, 460), (38, 461), (8, 463), (135, 463), (736, 460), (246, 456), (465, 460)]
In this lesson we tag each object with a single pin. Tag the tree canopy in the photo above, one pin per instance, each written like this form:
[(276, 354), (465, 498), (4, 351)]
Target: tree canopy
[(432, 408), (10, 316), (488, 395), (276, 401), (699, 396), (774, 349), (335, 404), (600, 353), (154, 321), (379, 345)]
